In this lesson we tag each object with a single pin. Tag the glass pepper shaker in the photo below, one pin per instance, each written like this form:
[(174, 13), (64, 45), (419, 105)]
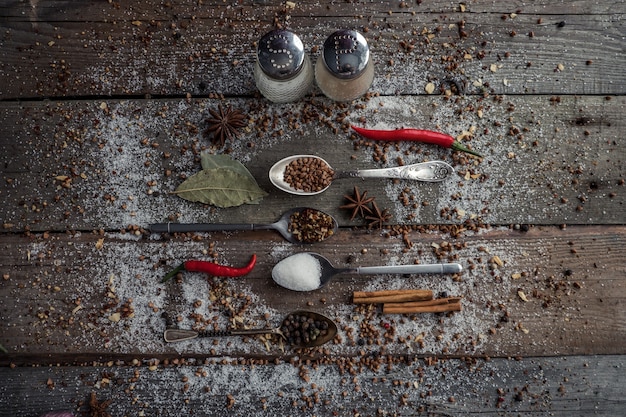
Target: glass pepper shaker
[(344, 70), (283, 71)]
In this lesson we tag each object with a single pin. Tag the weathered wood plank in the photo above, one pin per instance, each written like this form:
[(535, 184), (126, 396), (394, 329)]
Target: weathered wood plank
[(125, 50), (534, 77), (63, 10), (107, 164), (60, 294), (560, 386)]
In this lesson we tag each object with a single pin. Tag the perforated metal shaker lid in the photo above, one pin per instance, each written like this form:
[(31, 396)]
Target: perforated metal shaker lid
[(280, 54), (346, 53)]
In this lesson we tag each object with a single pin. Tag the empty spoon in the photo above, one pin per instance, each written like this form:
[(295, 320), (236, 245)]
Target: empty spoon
[(299, 329), (432, 171), (307, 226), (309, 271)]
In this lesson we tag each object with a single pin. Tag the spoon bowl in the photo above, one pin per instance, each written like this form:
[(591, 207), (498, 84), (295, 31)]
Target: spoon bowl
[(308, 271), (314, 226), (319, 330), (277, 175), (432, 171)]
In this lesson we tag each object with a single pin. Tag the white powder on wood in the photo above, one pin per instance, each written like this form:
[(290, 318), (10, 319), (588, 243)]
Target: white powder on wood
[(299, 272)]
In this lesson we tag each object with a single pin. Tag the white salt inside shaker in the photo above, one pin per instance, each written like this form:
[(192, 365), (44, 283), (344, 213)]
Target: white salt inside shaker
[(283, 72)]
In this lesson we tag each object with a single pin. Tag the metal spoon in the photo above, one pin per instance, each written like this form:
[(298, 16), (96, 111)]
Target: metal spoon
[(433, 171), (309, 271), (326, 334), (282, 226)]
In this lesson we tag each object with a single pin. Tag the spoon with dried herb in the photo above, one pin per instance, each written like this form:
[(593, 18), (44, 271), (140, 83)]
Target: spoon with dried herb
[(298, 225)]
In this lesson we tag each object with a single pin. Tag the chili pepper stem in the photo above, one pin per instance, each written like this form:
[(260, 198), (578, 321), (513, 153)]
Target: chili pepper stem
[(173, 273), (457, 146)]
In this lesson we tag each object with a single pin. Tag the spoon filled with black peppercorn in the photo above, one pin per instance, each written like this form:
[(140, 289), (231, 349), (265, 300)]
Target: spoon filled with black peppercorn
[(310, 174), (298, 225), (300, 329)]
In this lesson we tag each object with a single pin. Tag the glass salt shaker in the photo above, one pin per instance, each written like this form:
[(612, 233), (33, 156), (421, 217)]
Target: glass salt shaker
[(344, 70), (283, 71)]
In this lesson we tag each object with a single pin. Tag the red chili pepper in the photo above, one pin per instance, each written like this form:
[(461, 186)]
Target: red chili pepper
[(212, 268), (417, 135)]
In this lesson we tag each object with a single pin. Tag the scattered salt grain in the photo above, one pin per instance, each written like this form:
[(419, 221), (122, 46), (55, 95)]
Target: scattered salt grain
[(299, 272)]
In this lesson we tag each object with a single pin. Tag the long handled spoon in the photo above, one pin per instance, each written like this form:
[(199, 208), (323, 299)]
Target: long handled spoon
[(309, 271), (433, 171), (327, 226), (318, 330)]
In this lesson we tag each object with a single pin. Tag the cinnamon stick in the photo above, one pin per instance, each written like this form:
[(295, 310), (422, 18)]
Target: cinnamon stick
[(432, 306), (391, 296), (436, 301)]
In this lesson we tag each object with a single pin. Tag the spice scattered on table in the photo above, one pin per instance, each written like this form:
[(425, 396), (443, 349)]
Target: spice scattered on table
[(97, 408), (224, 124), (358, 203), (415, 135), (379, 217), (299, 272), (439, 305), (407, 301), (212, 268), (366, 208), (309, 225), (391, 296), (222, 182), (308, 174)]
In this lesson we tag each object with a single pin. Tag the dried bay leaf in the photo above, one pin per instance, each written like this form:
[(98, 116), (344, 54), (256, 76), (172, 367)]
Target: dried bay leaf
[(221, 187), (210, 161)]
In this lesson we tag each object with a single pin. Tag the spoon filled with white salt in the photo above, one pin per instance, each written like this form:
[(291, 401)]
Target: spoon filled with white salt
[(308, 271)]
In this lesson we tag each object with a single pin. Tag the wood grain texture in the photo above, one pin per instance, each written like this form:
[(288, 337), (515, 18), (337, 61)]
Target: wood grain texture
[(103, 112), (561, 386), (542, 292), (107, 164), (188, 49)]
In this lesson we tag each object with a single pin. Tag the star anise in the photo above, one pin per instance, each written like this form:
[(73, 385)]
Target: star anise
[(223, 124), (378, 217), (358, 203)]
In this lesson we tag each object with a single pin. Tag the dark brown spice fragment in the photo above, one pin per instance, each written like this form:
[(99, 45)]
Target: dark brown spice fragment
[(309, 225), (358, 203), (379, 217), (98, 409), (224, 124)]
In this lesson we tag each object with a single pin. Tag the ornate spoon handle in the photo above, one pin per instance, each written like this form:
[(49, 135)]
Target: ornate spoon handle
[(433, 171)]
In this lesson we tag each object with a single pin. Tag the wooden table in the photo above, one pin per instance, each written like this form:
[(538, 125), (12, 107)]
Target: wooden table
[(103, 113)]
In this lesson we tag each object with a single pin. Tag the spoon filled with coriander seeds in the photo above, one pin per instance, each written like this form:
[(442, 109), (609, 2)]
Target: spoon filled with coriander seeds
[(310, 174), (300, 329)]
